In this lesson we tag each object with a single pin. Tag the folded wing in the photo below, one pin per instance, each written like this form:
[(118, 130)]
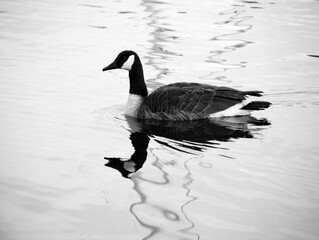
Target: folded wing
[(187, 101)]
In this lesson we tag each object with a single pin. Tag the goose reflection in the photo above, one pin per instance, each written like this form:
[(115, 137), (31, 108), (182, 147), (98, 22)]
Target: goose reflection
[(127, 166), (182, 136)]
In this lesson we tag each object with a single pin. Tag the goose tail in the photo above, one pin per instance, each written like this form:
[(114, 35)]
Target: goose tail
[(253, 93), (256, 105)]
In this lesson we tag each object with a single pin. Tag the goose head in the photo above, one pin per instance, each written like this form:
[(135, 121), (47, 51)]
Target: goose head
[(125, 60), (130, 61)]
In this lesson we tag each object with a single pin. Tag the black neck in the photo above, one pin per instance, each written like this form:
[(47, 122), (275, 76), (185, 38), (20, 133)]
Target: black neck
[(137, 83)]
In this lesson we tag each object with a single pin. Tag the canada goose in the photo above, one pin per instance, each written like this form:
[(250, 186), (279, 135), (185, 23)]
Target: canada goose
[(181, 101)]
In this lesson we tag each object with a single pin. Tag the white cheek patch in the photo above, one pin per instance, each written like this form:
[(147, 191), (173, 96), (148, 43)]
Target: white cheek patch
[(129, 62)]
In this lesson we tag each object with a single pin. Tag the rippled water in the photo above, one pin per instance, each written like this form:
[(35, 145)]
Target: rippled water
[(67, 152)]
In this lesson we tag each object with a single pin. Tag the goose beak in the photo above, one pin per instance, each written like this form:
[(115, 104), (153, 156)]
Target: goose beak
[(110, 67)]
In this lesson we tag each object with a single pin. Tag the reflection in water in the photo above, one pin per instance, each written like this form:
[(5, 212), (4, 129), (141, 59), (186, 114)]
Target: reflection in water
[(159, 35), (199, 134), (128, 166), (181, 136), (170, 220), (235, 18)]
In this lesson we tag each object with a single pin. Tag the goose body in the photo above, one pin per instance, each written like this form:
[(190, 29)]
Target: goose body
[(181, 101)]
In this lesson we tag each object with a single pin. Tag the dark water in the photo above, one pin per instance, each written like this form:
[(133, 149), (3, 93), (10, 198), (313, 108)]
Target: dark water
[(68, 153)]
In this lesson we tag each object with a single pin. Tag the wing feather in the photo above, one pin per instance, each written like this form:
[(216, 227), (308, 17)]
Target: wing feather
[(188, 101)]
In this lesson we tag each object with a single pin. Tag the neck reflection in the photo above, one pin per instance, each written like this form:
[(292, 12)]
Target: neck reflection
[(135, 162)]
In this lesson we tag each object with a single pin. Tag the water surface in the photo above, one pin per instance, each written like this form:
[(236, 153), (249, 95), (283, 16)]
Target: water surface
[(73, 167)]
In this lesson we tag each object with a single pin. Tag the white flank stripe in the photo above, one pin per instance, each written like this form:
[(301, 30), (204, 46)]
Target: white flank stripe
[(232, 111)]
